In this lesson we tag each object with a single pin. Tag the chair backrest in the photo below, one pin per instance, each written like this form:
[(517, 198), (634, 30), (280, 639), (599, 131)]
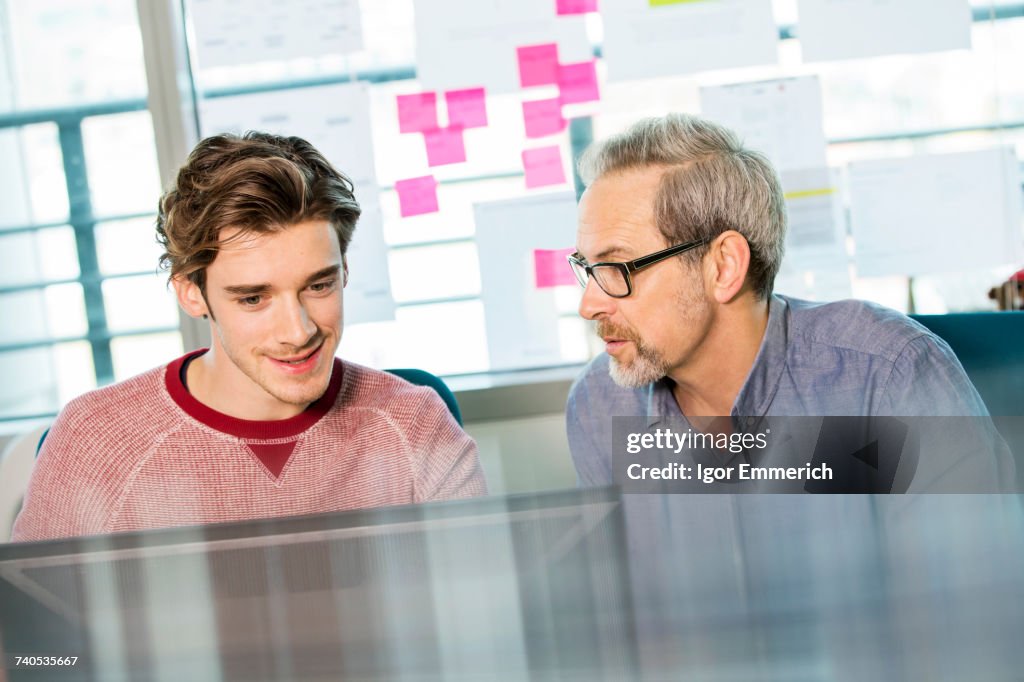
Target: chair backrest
[(990, 346), (424, 378), (16, 463)]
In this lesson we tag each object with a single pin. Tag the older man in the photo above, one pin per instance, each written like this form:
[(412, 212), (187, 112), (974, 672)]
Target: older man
[(267, 421), (681, 234)]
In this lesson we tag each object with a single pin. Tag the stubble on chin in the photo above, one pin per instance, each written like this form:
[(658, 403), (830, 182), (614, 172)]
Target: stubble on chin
[(647, 367)]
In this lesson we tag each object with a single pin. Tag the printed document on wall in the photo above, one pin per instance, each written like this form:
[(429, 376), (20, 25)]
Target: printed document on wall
[(232, 32), (473, 44), (845, 29), (779, 118), (336, 120), (816, 265), (936, 213), (522, 319), (643, 39)]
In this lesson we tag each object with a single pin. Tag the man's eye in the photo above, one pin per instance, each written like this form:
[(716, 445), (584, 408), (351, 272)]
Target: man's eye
[(250, 300), (322, 286)]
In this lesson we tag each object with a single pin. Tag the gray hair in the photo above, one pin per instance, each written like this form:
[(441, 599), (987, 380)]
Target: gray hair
[(711, 184)]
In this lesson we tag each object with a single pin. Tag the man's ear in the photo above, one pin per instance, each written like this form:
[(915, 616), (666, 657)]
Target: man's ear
[(190, 298), (344, 271), (730, 261)]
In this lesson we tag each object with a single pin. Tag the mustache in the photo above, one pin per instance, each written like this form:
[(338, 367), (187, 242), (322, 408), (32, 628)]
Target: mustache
[(605, 328)]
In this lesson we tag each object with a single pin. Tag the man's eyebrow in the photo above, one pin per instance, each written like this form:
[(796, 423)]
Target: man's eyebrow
[(610, 251), (257, 289), (246, 289), (324, 272)]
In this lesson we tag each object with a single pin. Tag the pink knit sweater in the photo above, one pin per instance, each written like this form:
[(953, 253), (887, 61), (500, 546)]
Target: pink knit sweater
[(145, 454)]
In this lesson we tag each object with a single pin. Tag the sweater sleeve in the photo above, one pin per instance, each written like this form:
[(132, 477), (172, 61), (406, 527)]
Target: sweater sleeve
[(446, 460), (67, 494)]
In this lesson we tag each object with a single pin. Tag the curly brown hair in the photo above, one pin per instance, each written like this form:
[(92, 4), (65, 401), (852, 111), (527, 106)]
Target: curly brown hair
[(257, 182)]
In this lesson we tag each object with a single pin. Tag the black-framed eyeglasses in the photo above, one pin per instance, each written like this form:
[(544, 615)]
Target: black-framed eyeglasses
[(614, 278)]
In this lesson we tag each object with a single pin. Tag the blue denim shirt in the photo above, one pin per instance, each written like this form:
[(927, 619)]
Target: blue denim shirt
[(845, 358)]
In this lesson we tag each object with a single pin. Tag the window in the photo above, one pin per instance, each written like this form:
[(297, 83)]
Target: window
[(76, 247), (77, 255)]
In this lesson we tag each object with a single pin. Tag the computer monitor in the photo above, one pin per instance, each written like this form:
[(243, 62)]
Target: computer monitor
[(517, 587)]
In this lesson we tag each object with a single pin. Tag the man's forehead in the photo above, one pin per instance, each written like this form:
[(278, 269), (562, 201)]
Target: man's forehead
[(618, 229)]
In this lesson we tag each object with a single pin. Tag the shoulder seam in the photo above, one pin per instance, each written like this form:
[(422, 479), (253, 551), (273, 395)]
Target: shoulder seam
[(831, 344), (130, 479)]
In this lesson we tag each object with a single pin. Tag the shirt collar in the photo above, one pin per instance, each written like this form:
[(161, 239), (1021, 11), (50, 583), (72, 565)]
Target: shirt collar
[(763, 381)]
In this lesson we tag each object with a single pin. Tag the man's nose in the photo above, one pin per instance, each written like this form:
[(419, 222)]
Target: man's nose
[(295, 327), (595, 302)]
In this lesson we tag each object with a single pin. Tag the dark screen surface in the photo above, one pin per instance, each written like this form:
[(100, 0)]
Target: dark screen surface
[(534, 586)]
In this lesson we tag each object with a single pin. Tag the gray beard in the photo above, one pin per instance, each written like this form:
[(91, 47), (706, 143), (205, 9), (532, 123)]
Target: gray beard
[(647, 367)]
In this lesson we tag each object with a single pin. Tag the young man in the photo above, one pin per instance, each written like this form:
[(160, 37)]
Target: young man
[(266, 422), (681, 233)]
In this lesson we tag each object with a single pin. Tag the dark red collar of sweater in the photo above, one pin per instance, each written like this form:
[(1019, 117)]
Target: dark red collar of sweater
[(249, 428)]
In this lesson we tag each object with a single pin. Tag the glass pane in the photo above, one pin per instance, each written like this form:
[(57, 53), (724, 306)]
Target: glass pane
[(127, 246), (387, 30), (456, 217), (495, 148), (32, 185), (449, 339), (65, 52), (433, 272), (120, 156), (143, 302), (572, 333), (29, 257), (75, 371), (40, 380), (30, 382), (39, 314), (136, 354)]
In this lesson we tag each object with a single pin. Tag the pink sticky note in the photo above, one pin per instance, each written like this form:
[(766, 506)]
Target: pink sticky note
[(578, 82), (538, 64), (417, 113), (444, 146), (576, 6), (551, 269), (543, 166), (417, 196), (466, 108), (543, 117)]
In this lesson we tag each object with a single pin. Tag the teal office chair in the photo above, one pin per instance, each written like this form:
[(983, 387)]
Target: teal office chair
[(990, 346), (413, 376), (423, 378), (991, 349)]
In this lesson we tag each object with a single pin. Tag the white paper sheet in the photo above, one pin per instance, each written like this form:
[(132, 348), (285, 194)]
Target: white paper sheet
[(816, 265), (936, 213), (336, 120), (522, 321), (470, 44), (781, 118), (845, 29), (232, 32), (641, 41)]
